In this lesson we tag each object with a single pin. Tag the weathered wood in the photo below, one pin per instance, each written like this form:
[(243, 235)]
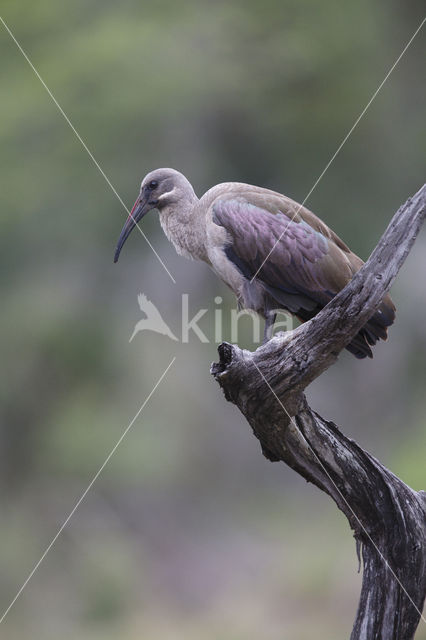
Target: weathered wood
[(388, 517)]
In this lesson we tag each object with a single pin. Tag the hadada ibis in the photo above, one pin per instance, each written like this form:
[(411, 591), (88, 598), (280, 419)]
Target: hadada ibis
[(273, 253)]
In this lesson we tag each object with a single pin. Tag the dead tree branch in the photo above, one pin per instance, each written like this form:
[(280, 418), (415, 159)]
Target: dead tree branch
[(388, 517)]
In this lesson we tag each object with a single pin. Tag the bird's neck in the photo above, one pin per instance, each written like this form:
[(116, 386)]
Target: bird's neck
[(185, 227)]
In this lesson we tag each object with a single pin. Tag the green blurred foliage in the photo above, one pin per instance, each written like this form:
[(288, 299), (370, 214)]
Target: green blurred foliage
[(188, 532)]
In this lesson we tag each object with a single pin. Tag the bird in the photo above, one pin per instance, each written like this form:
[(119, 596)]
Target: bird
[(153, 320), (272, 252)]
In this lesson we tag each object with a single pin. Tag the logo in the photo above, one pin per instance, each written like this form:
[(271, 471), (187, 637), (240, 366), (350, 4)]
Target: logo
[(152, 320)]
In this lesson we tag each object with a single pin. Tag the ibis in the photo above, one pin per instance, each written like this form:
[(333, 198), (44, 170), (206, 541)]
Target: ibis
[(272, 252)]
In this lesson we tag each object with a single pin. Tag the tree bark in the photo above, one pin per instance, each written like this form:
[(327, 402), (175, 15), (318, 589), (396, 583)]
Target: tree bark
[(388, 517)]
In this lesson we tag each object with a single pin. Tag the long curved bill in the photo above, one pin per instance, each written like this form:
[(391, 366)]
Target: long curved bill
[(140, 209)]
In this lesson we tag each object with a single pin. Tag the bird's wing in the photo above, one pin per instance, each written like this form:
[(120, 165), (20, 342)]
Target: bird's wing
[(307, 258)]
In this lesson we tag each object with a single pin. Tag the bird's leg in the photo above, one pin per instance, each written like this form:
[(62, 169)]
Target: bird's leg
[(270, 317)]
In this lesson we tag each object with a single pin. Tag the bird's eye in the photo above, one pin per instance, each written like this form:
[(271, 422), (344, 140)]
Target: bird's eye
[(153, 185)]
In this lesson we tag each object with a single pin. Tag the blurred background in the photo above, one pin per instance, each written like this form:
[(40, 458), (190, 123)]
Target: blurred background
[(189, 532)]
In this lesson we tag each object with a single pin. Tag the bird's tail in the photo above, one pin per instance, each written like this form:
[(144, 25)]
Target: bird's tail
[(375, 329)]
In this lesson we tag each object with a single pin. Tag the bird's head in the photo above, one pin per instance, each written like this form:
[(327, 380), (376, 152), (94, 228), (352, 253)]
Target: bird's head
[(160, 189)]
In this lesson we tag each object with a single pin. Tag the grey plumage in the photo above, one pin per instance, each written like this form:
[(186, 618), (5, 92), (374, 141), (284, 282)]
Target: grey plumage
[(273, 253)]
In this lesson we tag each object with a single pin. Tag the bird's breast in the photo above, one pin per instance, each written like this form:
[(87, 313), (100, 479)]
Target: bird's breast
[(216, 242), (186, 237)]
